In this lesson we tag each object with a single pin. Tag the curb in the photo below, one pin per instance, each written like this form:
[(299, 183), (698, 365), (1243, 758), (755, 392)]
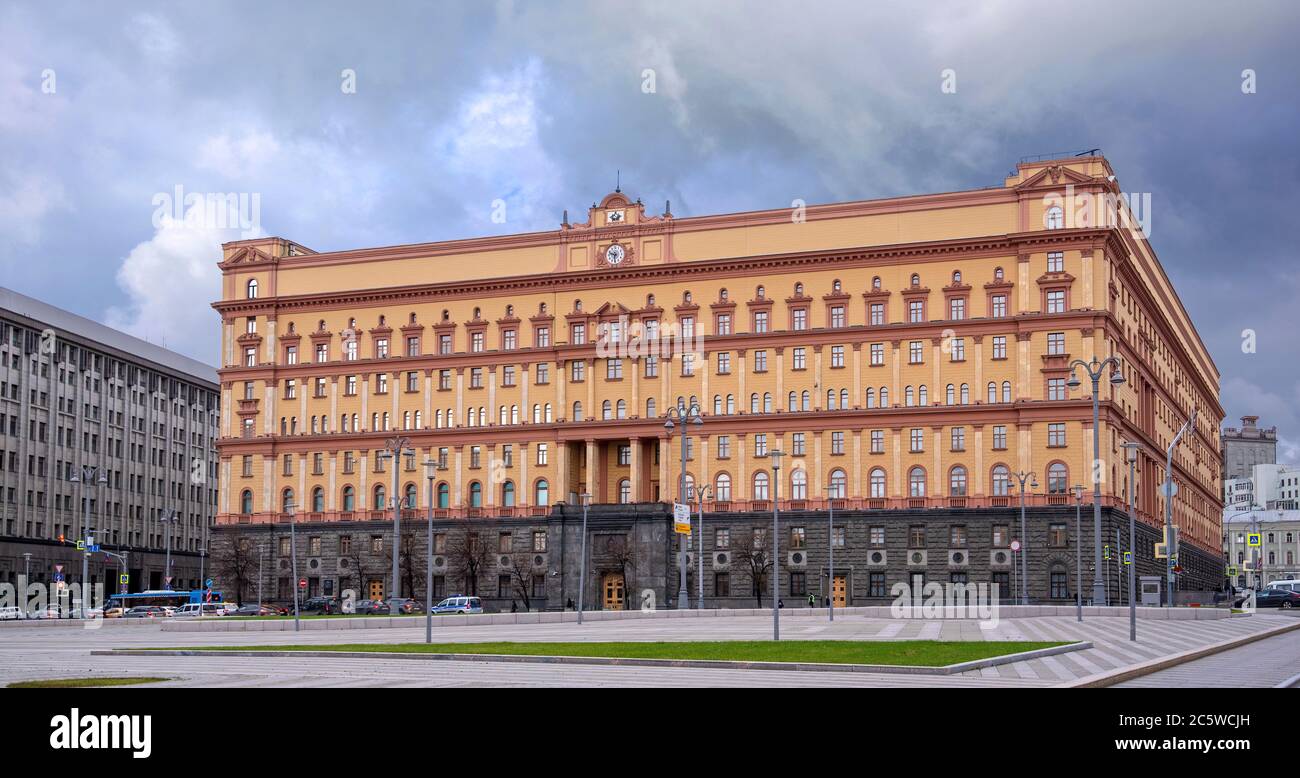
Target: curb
[(714, 664), (1112, 677)]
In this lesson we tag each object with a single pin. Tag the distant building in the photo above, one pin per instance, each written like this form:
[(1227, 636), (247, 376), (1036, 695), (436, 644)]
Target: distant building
[(76, 394), (1247, 446), (1278, 555)]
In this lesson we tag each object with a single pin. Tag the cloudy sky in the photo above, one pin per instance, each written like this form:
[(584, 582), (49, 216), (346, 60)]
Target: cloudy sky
[(104, 106)]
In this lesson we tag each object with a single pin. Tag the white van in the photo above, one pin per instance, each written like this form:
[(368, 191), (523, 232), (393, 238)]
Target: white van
[(191, 609), (11, 613), (1291, 586)]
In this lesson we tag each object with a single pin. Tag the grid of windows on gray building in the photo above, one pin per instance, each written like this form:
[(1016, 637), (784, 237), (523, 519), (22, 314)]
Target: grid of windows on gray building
[(74, 395)]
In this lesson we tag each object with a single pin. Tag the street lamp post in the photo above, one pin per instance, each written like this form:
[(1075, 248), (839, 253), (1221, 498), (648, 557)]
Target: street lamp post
[(582, 564), (394, 448), (1095, 369), (686, 416), (1023, 476), (97, 475), (169, 517), (701, 491), (1078, 551), (27, 569), (831, 493), (1171, 537), (293, 562), (431, 468), (775, 455), (1132, 448)]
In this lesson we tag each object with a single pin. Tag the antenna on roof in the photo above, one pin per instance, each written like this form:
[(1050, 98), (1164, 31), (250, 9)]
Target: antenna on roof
[(618, 180), (1088, 153)]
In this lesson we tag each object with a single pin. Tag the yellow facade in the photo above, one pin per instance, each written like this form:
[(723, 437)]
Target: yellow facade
[(1026, 286)]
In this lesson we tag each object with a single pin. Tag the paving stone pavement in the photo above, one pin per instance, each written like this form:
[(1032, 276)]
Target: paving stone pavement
[(35, 652)]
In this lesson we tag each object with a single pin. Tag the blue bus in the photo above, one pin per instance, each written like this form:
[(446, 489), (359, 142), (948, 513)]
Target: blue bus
[(166, 597)]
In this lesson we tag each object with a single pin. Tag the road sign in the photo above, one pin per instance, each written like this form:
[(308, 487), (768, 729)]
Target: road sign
[(1105, 552), (1162, 551), (1232, 571), (58, 569), (208, 584), (94, 549), (1252, 539), (681, 518), (124, 579), (1015, 545), (1128, 557), (81, 545), (302, 583)]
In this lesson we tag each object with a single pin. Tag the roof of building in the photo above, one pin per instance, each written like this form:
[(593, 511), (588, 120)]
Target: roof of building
[(1261, 516), (129, 346)]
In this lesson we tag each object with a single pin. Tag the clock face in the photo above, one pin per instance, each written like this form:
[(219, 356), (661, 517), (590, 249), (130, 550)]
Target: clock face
[(614, 216), (614, 254)]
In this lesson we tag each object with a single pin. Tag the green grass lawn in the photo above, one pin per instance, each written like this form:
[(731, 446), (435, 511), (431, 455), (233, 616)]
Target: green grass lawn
[(919, 653), (81, 683)]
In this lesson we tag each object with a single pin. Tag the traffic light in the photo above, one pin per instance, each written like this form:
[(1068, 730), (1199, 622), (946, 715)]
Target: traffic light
[(61, 540)]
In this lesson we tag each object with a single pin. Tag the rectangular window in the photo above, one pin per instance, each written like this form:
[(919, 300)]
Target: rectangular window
[(876, 586), (721, 585), (917, 440), (1056, 343), (957, 308), (837, 356), (877, 354), (577, 369), (877, 314), (1056, 302), (798, 537), (957, 536), (613, 369), (578, 333), (722, 538), (724, 362), (651, 366), (958, 438), (760, 444), (1056, 435), (542, 337), (724, 324), (999, 306), (799, 318), (999, 437), (915, 352), (760, 361), (444, 379), (915, 311), (1000, 347), (837, 442), (1056, 261), (1056, 389), (877, 441), (798, 445), (916, 536), (800, 360), (1056, 535), (760, 321), (837, 316), (1001, 536), (798, 584)]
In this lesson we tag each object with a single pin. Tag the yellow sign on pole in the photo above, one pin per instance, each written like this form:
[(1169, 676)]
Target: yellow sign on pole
[(681, 518), (1252, 539)]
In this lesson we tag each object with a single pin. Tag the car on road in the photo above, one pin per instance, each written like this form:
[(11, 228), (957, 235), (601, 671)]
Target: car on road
[(12, 614), (94, 613), (459, 605), (326, 605), (410, 605), (253, 609), (114, 613), (372, 608), (1277, 598), (1292, 586), (48, 612), (147, 612)]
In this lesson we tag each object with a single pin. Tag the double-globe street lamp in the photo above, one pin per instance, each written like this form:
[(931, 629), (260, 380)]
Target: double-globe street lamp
[(1095, 369), (701, 491), (431, 469), (395, 448), (775, 455), (687, 416), (1023, 476), (582, 564), (99, 476), (1132, 448), (1078, 550), (170, 517)]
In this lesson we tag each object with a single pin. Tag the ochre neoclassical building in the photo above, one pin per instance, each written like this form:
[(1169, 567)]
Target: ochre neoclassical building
[(910, 356)]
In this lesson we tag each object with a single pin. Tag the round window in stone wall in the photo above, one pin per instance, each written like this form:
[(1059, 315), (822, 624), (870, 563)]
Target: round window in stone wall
[(877, 557), (916, 557)]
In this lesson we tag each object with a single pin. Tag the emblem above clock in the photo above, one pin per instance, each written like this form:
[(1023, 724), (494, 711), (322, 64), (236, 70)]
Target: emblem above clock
[(617, 234)]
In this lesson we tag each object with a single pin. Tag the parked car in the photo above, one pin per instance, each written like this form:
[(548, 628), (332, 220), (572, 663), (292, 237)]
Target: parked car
[(12, 614), (325, 605), (1293, 586), (1277, 598), (372, 608), (114, 613), (48, 612), (94, 613), (459, 605), (410, 605), (147, 612)]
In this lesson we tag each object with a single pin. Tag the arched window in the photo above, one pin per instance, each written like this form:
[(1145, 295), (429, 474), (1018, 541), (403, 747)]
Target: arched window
[(997, 274), (798, 290), (624, 491), (950, 395), (607, 410), (844, 399), (877, 480), (760, 486), (547, 412), (475, 494), (501, 415), (1001, 481), (753, 403), (798, 484), (286, 501), (922, 396), (839, 485), (993, 392), (956, 277), (1058, 478), (767, 402), (717, 405), (482, 416), (1054, 218), (381, 498), (805, 400), (349, 499), (731, 405), (792, 402), (884, 397), (909, 397), (916, 482), (246, 501), (444, 495), (317, 500), (957, 482), (875, 283), (916, 279), (965, 394), (620, 409), (871, 397), (577, 411), (650, 410), (831, 403), (437, 419), (252, 289), (542, 493), (508, 494), (410, 495), (1006, 391), (722, 487)]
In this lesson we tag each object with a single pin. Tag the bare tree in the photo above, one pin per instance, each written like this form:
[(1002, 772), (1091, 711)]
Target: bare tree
[(355, 569), (410, 572), (235, 564), (521, 577), (755, 559), (467, 555), (621, 554)]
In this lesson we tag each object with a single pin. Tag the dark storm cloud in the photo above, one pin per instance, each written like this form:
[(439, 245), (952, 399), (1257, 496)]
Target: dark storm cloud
[(537, 104)]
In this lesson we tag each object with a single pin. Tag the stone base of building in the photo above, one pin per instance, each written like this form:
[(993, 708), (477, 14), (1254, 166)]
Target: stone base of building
[(632, 557)]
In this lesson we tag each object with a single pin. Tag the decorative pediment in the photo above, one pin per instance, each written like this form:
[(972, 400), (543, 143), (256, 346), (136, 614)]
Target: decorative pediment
[(1055, 175), (248, 255)]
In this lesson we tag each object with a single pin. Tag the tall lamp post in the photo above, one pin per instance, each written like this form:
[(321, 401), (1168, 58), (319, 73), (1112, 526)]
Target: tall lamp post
[(96, 475), (1171, 537), (293, 561), (775, 455), (701, 491), (1023, 476), (832, 494), (1132, 448), (687, 416), (431, 468), (1095, 370), (582, 564), (394, 448), (169, 517), (1078, 550)]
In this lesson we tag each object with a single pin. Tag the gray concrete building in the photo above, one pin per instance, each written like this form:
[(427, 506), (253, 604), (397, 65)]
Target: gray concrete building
[(75, 395), (1247, 446)]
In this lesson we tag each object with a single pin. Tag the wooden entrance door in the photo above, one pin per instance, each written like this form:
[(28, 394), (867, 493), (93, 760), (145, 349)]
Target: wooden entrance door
[(375, 589), (840, 591), (612, 587)]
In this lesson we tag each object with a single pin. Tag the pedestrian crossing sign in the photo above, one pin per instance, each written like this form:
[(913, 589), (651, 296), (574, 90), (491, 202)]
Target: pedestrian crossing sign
[(1232, 571), (1105, 552), (1252, 539), (1128, 557)]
